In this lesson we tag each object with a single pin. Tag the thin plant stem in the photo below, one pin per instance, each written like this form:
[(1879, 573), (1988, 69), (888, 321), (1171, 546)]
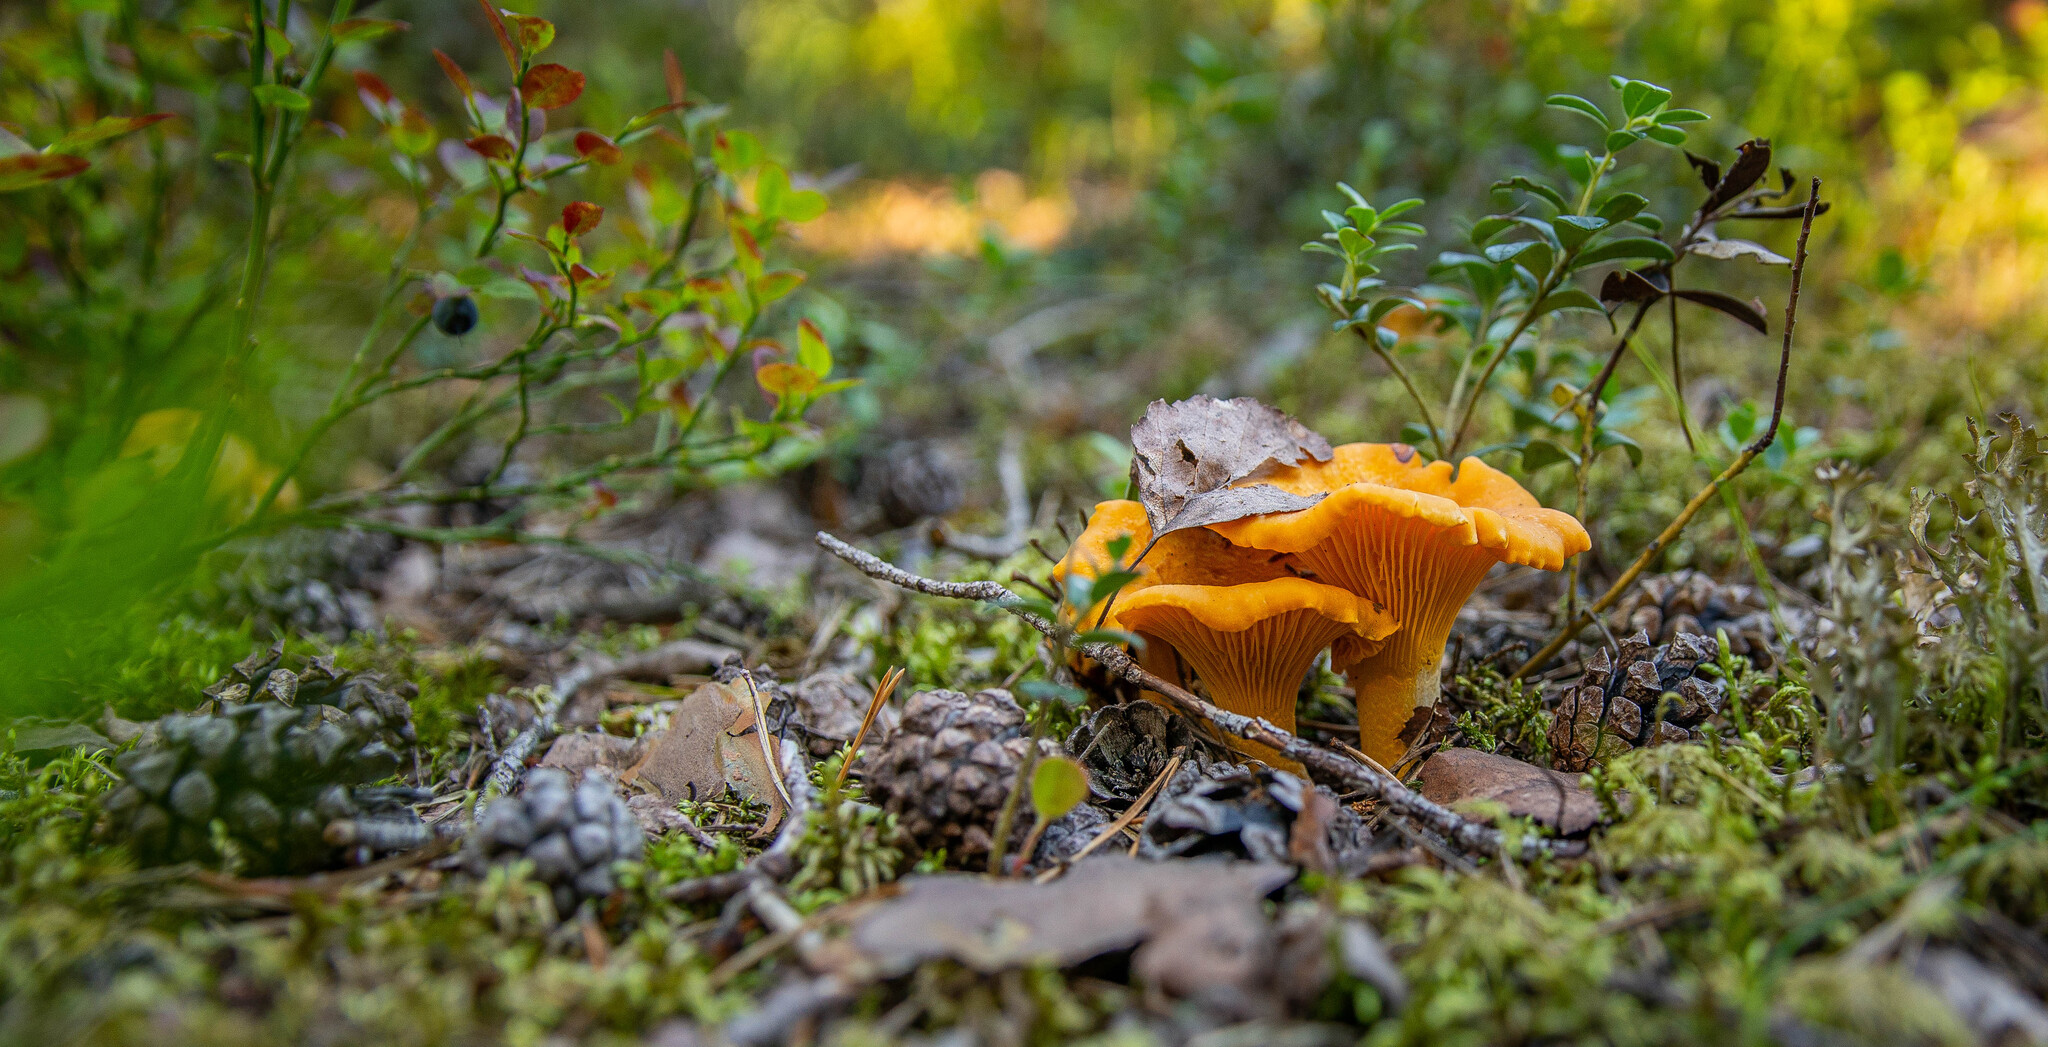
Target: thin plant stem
[(1735, 468), (1401, 373)]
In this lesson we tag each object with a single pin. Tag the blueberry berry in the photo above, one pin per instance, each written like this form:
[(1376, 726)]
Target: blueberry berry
[(455, 315)]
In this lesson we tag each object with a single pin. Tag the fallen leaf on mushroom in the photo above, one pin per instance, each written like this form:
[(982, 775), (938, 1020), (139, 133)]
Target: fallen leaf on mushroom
[(1188, 457)]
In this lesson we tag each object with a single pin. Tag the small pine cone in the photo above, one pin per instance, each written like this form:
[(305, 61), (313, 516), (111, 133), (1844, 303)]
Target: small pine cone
[(1665, 607), (1642, 696), (1126, 746), (572, 832), (376, 711), (949, 767), (916, 481), (274, 778)]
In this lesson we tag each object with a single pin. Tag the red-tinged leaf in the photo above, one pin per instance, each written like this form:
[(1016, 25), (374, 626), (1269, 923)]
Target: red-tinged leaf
[(812, 351), (776, 285), (784, 379), (504, 38), (494, 147), (414, 133), (532, 32), (28, 170), (455, 74), (709, 286), (597, 148), (587, 278), (581, 217), (672, 71), (603, 497), (358, 30), (745, 242), (679, 396), (652, 300), (103, 129), (746, 252), (373, 86), (551, 86), (654, 114), (547, 285)]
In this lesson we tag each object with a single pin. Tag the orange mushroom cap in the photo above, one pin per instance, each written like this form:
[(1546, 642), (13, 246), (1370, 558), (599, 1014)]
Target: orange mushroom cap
[(1187, 557), (1252, 643), (1404, 532)]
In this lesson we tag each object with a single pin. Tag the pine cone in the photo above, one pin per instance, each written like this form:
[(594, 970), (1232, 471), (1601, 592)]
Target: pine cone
[(1643, 696), (916, 481), (1667, 606), (947, 770), (1126, 746), (376, 712), (572, 833), (287, 785)]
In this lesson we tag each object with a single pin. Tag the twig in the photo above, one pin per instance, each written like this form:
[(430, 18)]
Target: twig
[(1016, 510), (505, 769), (1473, 837), (1372, 342), (1037, 586), (1699, 500)]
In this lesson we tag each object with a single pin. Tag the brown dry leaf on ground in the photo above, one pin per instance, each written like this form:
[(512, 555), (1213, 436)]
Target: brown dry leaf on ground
[(1103, 905), (1199, 929), (1187, 454), (1552, 798), (711, 744), (583, 750)]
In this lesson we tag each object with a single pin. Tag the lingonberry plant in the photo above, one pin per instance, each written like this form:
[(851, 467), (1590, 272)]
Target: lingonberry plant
[(1527, 263), (646, 324)]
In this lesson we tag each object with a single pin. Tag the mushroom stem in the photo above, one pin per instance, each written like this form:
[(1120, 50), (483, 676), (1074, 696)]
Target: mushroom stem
[(1424, 575), (1255, 671), (1251, 644)]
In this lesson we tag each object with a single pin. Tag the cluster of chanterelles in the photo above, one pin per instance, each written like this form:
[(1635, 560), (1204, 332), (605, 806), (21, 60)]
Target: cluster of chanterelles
[(1375, 572)]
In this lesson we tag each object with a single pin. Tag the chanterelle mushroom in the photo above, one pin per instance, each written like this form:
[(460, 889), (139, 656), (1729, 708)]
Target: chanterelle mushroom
[(1188, 557), (1400, 531), (1252, 643)]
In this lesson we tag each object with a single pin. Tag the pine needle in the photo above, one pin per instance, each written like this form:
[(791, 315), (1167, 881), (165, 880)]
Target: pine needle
[(882, 692)]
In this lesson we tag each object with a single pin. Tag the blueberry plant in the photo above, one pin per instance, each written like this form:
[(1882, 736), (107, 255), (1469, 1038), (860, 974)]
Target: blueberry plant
[(263, 265), (593, 337)]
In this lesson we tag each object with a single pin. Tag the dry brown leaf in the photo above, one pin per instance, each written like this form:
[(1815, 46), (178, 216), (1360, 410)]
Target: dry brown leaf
[(1104, 904), (582, 750), (1188, 455), (710, 746), (1551, 798)]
